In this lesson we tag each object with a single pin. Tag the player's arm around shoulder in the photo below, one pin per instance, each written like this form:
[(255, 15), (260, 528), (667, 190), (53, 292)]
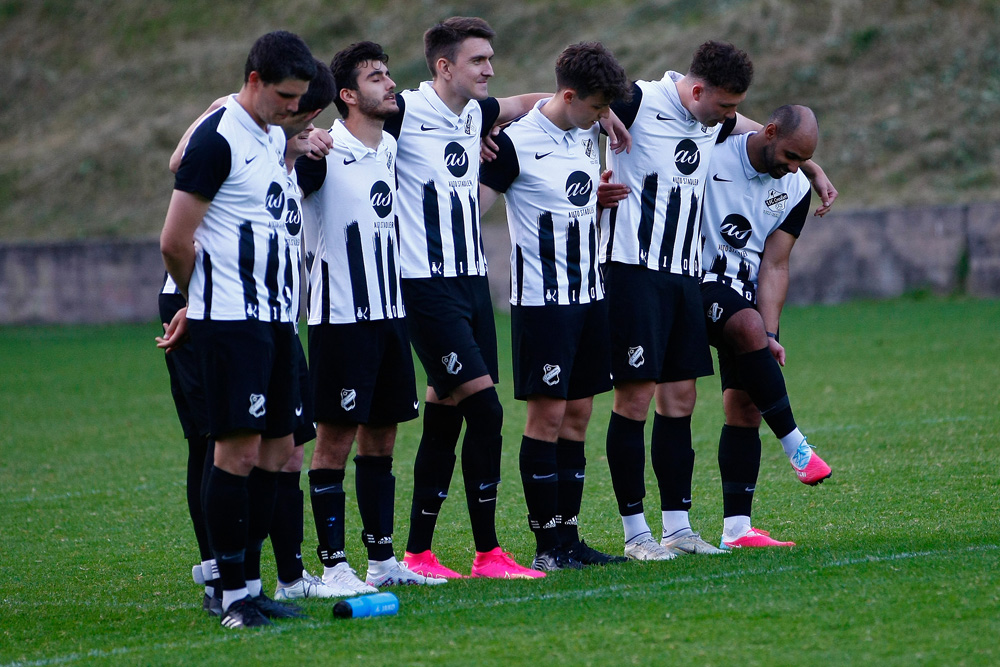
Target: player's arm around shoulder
[(518, 105)]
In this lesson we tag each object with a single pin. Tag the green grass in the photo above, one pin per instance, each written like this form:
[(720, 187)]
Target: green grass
[(896, 560)]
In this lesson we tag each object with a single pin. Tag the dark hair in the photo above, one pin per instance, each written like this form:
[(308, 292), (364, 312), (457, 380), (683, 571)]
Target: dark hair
[(280, 55), (322, 89), (345, 66), (588, 68), (789, 117), (443, 40), (722, 65)]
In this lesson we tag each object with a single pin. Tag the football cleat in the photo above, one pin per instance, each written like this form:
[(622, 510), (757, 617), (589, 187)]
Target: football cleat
[(400, 575), (307, 586), (587, 556), (427, 564), (555, 559), (689, 544), (498, 564), (807, 464), (243, 614), (212, 604), (753, 538), (646, 548), (344, 581), (274, 609)]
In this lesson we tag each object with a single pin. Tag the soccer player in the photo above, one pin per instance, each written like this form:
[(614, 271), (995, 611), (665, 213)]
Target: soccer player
[(361, 368), (548, 167), (652, 252), (222, 245), (755, 206)]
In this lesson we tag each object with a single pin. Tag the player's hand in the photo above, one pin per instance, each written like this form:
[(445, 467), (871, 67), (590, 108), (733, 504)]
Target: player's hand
[(822, 185), (488, 146), (619, 138), (320, 142), (608, 193), (777, 351), (175, 333)]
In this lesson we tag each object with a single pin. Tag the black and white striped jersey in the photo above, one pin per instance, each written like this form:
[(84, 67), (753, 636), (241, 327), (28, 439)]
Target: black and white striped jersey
[(658, 225), (294, 241), (438, 183), (742, 208), (352, 237), (549, 179), (240, 268)]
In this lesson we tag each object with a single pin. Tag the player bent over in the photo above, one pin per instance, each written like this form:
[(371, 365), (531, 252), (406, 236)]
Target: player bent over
[(360, 363), (223, 247), (755, 207), (548, 167)]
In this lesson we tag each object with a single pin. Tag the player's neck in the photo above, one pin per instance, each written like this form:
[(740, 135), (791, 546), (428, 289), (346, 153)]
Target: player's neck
[(366, 129), (684, 86), (454, 101), (556, 112), (755, 152), (245, 98)]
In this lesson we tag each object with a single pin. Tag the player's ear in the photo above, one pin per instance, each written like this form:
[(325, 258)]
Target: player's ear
[(696, 91), (348, 96), (443, 68), (568, 95)]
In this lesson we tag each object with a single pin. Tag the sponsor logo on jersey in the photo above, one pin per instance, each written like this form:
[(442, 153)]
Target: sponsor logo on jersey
[(348, 399), (736, 230), (775, 201), (687, 157), (293, 218), (550, 374), (635, 358), (275, 200), (588, 148), (257, 407), (715, 312), (381, 198), (456, 159), (451, 363), (579, 187), (468, 125)]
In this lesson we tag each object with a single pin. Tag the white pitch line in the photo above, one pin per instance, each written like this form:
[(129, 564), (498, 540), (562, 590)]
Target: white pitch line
[(448, 606)]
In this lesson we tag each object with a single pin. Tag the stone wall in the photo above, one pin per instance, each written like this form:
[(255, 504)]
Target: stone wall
[(846, 255)]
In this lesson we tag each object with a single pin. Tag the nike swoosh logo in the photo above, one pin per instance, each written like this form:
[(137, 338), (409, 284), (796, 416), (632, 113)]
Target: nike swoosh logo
[(488, 500), (750, 489), (721, 180), (416, 404), (579, 475), (251, 159), (350, 161), (483, 487), (662, 117), (685, 500), (324, 489), (298, 411), (551, 474), (638, 502), (539, 156), (424, 128), (442, 494), (426, 513)]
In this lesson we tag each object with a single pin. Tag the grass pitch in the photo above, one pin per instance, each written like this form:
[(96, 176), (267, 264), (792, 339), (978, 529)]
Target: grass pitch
[(896, 560)]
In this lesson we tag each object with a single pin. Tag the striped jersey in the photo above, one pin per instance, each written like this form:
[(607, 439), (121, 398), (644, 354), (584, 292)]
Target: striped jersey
[(549, 178), (353, 239), (658, 225), (241, 270), (742, 208), (438, 183), (294, 241)]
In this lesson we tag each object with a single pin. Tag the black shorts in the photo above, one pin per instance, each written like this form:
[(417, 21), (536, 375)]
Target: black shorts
[(719, 303), (305, 431), (185, 376), (657, 327), (250, 376), (451, 325), (560, 351), (362, 373)]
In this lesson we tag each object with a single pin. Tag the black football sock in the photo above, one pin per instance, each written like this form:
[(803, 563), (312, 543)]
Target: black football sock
[(540, 479), (626, 447), (481, 464), (376, 488), (739, 464), (326, 494), (761, 377), (226, 516), (432, 472), (261, 490), (571, 463), (286, 527), (672, 457), (197, 452)]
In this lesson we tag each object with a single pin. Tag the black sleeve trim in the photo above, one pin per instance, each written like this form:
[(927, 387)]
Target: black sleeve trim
[(502, 171), (627, 111), (394, 124), (797, 217), (311, 174), (727, 129), (207, 160), (491, 112)]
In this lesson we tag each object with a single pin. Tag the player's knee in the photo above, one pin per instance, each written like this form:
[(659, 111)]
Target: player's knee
[(483, 412)]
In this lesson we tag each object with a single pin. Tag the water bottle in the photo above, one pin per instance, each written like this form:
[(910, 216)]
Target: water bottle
[(376, 604)]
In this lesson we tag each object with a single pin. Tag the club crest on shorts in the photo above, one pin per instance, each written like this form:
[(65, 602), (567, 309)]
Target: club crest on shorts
[(348, 399), (715, 312), (257, 408), (451, 363), (550, 374), (635, 358)]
